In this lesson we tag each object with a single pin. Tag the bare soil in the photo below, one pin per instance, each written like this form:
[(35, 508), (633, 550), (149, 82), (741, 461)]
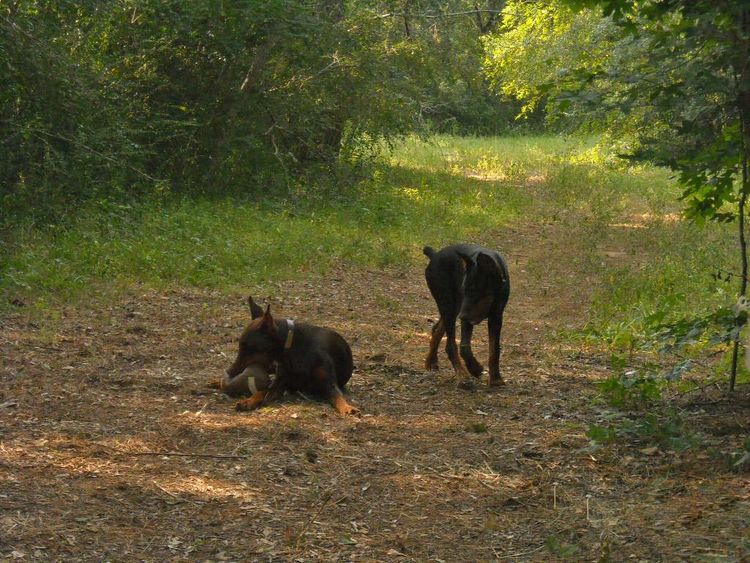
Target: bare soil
[(113, 448)]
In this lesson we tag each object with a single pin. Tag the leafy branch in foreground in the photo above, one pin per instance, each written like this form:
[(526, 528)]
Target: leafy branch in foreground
[(684, 339), (666, 431)]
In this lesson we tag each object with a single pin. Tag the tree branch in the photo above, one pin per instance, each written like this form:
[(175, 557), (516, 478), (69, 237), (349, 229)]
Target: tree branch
[(38, 132), (431, 15)]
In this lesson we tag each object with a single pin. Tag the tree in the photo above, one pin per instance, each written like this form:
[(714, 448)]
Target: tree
[(116, 99), (674, 76)]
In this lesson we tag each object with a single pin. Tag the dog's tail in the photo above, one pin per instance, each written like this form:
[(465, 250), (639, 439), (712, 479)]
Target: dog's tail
[(429, 252)]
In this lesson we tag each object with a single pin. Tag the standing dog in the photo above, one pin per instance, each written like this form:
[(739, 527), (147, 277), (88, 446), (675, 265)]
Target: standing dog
[(470, 283), (305, 357)]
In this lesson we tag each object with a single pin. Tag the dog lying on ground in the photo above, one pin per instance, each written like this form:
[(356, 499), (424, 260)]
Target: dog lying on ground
[(470, 283), (305, 358)]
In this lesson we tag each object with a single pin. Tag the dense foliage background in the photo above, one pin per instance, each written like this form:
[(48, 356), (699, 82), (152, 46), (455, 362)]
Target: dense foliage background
[(118, 99)]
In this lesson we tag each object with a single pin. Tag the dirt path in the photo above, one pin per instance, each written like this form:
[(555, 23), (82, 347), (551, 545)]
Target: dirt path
[(428, 473)]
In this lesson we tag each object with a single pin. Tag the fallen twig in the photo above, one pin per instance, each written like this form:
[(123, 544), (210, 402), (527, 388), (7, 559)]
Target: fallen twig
[(701, 388), (181, 454), (693, 390), (490, 487), (517, 554), (174, 496), (327, 497)]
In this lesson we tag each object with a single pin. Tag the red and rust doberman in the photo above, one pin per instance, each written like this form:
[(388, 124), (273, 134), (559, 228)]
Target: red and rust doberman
[(471, 283), (306, 358)]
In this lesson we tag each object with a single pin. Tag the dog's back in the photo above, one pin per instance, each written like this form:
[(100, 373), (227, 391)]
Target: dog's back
[(310, 342), (445, 271)]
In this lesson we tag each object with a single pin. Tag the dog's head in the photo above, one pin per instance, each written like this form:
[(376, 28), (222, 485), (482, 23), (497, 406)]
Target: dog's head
[(260, 343), (481, 283)]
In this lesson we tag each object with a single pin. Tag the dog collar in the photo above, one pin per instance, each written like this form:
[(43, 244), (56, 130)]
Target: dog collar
[(289, 334)]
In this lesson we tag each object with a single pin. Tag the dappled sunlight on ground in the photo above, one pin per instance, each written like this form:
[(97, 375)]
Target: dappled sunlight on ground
[(114, 446), (645, 220), (204, 487), (664, 217), (628, 225)]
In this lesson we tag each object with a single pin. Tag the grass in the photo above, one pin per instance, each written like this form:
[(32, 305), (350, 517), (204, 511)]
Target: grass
[(445, 190), (229, 243)]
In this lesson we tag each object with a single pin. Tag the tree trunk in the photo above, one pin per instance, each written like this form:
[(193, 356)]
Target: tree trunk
[(742, 86), (743, 255)]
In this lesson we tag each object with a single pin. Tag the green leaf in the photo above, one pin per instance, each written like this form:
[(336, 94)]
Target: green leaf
[(346, 540)]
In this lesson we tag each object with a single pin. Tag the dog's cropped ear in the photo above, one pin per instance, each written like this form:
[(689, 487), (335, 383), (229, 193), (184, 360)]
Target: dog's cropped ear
[(267, 323), (486, 263), (468, 262), (255, 310)]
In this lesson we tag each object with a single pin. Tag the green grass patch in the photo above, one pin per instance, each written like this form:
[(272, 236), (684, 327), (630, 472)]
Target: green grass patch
[(445, 190), (674, 277), (235, 243)]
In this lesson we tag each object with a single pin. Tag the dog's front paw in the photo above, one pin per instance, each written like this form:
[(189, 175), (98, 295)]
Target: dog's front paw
[(350, 410), (342, 406), (245, 405), (467, 384), (496, 381), (250, 404), (475, 369)]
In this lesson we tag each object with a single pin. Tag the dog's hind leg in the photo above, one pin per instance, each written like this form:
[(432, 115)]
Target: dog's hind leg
[(474, 367), (495, 327), (438, 331), (325, 377), (464, 379), (339, 402)]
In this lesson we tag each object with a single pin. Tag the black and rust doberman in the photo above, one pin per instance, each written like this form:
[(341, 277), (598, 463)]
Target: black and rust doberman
[(306, 358), (471, 283)]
